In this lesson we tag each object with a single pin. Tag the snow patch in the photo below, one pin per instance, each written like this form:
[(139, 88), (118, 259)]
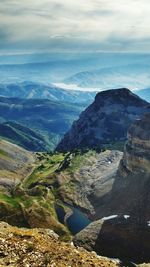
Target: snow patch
[(109, 217)]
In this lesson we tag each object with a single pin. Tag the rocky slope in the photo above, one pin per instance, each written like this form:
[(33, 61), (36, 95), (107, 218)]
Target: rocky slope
[(41, 248), (128, 75), (125, 233), (15, 163), (105, 121), (87, 176)]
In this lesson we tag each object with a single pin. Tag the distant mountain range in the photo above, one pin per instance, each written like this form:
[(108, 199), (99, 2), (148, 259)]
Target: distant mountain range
[(129, 76), (98, 70), (34, 90), (57, 67), (38, 124)]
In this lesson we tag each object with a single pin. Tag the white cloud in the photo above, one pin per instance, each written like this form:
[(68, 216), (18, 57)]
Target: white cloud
[(75, 24), (76, 87)]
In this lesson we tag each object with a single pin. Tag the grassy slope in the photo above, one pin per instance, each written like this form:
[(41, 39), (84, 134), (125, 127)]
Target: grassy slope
[(40, 191), (20, 205)]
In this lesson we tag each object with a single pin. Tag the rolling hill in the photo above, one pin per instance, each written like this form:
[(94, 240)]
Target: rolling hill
[(23, 136)]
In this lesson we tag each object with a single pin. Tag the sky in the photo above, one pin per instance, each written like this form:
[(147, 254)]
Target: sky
[(74, 26)]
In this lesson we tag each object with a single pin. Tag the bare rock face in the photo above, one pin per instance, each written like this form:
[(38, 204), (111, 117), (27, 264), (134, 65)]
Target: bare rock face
[(105, 121), (130, 190), (125, 233), (93, 178), (137, 149), (133, 179)]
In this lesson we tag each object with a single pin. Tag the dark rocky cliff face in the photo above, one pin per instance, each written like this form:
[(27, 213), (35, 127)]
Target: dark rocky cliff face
[(105, 121), (133, 181), (126, 232), (130, 192)]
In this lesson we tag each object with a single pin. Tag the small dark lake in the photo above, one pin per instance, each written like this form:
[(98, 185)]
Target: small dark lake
[(76, 221)]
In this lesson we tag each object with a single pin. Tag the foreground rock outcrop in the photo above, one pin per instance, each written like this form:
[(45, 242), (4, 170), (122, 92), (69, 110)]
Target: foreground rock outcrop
[(125, 233), (117, 237), (42, 248), (105, 121)]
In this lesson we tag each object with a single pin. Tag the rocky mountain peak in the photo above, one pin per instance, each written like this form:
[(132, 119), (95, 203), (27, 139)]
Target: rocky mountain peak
[(117, 94), (106, 120)]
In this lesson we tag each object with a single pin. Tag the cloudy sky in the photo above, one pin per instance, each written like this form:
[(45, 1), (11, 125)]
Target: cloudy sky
[(74, 25)]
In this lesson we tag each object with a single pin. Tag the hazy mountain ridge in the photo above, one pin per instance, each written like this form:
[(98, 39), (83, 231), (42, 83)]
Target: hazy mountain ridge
[(23, 136), (129, 76), (57, 67), (48, 118), (33, 90)]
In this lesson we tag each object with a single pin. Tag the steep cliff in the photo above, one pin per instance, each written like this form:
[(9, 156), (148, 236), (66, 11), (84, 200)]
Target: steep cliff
[(123, 229), (133, 179)]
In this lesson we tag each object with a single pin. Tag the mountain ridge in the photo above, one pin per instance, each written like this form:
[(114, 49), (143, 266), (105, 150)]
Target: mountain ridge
[(131, 75), (35, 90)]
